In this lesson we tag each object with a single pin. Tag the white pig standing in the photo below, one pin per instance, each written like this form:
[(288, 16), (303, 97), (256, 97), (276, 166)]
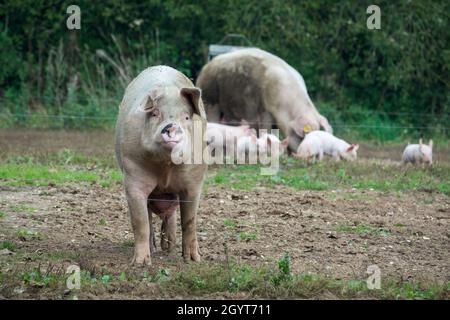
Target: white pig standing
[(335, 147), (418, 153)]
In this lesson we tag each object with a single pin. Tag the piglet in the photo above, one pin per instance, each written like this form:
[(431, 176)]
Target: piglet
[(335, 147), (266, 140), (223, 136), (310, 149), (418, 153)]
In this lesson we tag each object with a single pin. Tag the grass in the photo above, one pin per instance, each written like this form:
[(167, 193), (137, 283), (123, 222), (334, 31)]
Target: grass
[(67, 166), (363, 229), (329, 175), (6, 244), (16, 175), (274, 280)]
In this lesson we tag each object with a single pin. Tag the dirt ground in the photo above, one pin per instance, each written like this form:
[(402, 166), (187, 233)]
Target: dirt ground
[(409, 238)]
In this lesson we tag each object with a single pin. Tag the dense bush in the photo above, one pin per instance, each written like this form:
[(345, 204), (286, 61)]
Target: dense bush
[(397, 76)]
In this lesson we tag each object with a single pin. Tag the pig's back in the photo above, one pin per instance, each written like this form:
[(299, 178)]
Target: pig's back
[(411, 153)]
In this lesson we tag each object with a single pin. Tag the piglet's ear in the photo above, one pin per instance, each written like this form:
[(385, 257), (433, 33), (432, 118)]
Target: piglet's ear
[(285, 142), (269, 141), (193, 95), (352, 147)]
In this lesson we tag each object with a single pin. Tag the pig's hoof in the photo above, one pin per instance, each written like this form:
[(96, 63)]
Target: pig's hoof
[(195, 256), (139, 259), (192, 256)]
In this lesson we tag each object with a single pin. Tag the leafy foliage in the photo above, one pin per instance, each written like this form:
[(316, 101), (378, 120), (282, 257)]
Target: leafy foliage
[(400, 73)]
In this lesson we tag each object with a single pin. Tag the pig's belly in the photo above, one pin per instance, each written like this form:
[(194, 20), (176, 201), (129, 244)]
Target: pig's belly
[(163, 204)]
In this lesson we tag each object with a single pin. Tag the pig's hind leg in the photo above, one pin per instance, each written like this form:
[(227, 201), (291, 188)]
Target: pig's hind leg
[(168, 231)]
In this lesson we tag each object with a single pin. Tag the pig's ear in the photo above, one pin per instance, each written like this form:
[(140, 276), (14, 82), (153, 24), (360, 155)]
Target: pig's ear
[(285, 142), (430, 144), (150, 101), (352, 147), (269, 141), (304, 124), (193, 95), (323, 122)]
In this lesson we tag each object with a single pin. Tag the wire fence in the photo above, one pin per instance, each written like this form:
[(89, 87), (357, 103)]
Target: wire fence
[(336, 122)]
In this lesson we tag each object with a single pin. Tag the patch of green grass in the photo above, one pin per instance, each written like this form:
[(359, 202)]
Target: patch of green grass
[(102, 222), (266, 282), (329, 175), (244, 235), (230, 223), (37, 278), (7, 244), (2, 214), (29, 235), (363, 229), (22, 208), (200, 279), (41, 175)]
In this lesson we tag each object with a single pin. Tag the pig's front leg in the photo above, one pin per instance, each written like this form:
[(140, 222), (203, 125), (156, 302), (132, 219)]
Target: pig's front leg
[(152, 238), (137, 194), (188, 209)]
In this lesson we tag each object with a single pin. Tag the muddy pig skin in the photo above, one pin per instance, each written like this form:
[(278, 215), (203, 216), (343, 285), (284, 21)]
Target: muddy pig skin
[(418, 153), (335, 147), (257, 86), (157, 116)]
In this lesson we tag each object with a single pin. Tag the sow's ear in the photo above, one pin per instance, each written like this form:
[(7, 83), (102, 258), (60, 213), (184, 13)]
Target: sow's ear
[(150, 101), (193, 95), (302, 125)]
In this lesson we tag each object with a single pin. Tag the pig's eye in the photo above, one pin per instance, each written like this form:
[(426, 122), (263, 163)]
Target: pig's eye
[(187, 117)]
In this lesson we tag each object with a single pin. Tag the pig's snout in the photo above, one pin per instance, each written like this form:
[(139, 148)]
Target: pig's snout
[(171, 135)]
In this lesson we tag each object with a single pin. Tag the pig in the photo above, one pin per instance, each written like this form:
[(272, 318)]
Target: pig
[(335, 147), (247, 145), (418, 153), (310, 149), (220, 135), (156, 117), (267, 139), (261, 88)]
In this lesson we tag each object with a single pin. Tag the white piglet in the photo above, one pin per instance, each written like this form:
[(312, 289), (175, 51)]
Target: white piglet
[(310, 149), (265, 142), (418, 153), (335, 147)]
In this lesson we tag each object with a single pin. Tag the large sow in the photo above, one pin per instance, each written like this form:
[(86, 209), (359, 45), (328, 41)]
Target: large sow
[(261, 88), (156, 117)]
